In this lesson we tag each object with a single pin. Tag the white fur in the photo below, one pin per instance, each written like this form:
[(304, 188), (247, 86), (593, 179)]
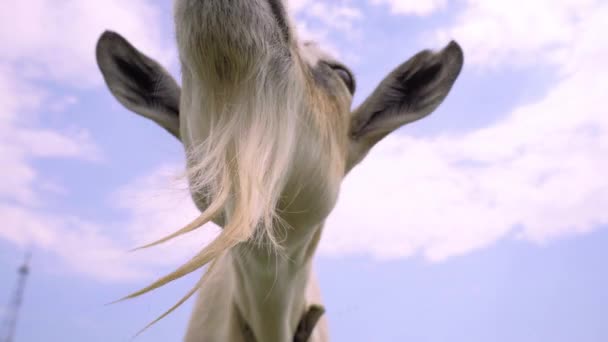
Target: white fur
[(259, 133)]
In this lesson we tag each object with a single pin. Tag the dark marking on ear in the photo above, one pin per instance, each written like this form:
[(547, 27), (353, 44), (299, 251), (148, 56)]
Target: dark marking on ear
[(420, 79), (141, 79), (308, 323), (145, 82), (406, 89), (409, 86), (410, 92), (278, 10), (140, 75)]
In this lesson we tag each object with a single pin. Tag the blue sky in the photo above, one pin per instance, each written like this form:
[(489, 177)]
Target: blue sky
[(484, 221)]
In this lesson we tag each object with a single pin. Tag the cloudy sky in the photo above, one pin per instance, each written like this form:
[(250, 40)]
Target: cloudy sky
[(483, 222)]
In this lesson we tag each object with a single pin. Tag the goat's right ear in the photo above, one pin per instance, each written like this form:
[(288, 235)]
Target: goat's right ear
[(410, 92), (138, 82)]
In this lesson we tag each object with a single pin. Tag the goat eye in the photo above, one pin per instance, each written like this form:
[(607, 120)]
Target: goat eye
[(346, 76)]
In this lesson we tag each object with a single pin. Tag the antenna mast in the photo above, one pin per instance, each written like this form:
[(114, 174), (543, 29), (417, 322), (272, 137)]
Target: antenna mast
[(10, 317)]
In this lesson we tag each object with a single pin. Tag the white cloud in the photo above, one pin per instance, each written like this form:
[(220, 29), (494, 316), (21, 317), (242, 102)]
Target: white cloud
[(495, 33), (55, 42), (25, 221), (47, 45), (56, 39), (541, 168), (339, 17), (413, 7), (21, 139), (158, 205), (538, 174), (317, 19), (154, 207), (79, 245)]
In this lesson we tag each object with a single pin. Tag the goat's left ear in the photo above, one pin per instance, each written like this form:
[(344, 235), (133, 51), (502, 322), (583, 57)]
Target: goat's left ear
[(410, 92)]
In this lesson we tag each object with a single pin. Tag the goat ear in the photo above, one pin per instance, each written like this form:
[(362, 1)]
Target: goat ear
[(410, 92), (138, 82)]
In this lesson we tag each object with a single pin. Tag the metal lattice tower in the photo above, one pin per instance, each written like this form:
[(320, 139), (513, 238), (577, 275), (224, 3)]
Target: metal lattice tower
[(10, 317)]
